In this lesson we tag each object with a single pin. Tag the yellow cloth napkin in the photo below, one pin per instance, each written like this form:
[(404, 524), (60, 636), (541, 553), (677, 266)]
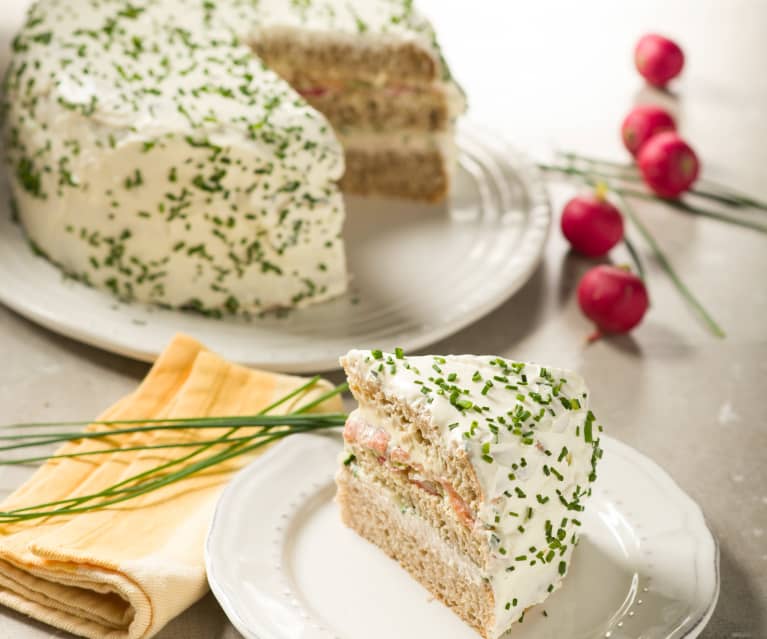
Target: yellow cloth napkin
[(124, 572)]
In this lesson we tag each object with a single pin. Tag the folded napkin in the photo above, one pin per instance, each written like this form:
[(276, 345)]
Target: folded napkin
[(124, 572)]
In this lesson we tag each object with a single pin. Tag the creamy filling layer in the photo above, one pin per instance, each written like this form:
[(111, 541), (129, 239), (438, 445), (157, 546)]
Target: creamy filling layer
[(397, 459), (416, 526), (403, 142)]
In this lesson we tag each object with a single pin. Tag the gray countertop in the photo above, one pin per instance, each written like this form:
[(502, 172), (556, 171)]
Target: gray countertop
[(559, 74)]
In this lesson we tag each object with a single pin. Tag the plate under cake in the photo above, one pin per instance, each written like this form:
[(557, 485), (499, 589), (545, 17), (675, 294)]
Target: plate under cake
[(472, 472), (155, 155)]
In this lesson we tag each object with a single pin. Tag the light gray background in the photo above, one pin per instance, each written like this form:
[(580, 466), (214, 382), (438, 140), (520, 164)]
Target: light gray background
[(558, 74)]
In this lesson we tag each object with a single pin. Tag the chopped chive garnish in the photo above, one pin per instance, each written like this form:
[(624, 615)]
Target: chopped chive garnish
[(587, 427), (459, 402)]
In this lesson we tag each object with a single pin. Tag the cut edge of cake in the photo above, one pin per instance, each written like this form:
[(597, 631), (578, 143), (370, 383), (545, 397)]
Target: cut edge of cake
[(390, 98)]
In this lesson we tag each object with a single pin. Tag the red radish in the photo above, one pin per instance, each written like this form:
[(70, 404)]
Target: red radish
[(642, 123), (658, 59), (592, 224), (668, 165), (613, 298)]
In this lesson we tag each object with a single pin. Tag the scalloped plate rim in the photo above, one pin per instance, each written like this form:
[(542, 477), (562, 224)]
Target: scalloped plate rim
[(690, 630)]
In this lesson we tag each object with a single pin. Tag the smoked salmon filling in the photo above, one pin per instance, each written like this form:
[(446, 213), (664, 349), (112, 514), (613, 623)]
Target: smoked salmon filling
[(396, 459)]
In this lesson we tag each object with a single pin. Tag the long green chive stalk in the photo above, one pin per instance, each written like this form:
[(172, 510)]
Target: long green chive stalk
[(107, 451), (681, 205), (624, 171), (634, 256), (265, 421), (588, 176), (665, 264), (271, 428)]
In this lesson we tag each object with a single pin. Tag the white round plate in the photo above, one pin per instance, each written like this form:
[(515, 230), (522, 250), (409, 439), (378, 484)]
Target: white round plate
[(283, 566), (419, 273)]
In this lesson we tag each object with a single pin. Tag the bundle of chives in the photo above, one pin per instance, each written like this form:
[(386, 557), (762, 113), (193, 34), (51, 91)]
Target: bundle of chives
[(270, 428)]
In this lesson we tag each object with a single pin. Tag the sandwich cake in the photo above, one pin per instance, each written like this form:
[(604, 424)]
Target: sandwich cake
[(472, 472), (191, 153)]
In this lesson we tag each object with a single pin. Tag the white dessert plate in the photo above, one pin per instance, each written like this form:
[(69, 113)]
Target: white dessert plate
[(419, 273), (283, 566)]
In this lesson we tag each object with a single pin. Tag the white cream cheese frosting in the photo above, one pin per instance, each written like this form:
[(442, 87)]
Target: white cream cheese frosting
[(533, 444), (152, 154)]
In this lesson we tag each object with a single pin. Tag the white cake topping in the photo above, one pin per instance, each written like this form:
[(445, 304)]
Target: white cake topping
[(533, 444)]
